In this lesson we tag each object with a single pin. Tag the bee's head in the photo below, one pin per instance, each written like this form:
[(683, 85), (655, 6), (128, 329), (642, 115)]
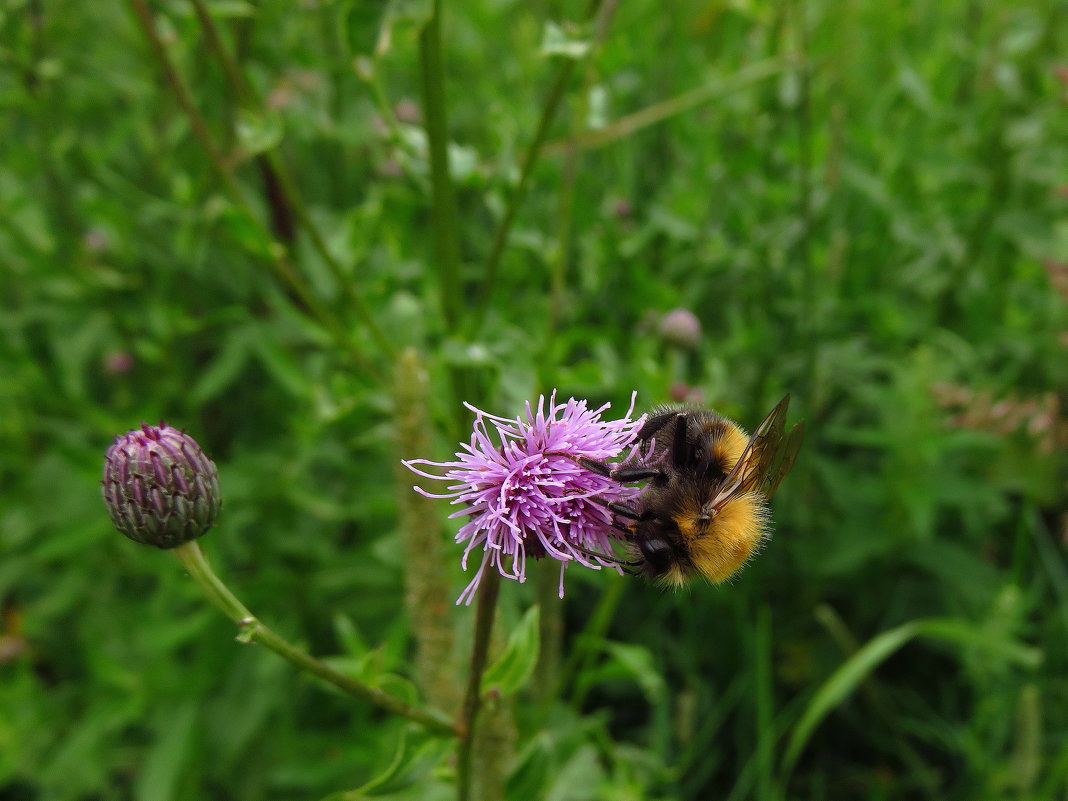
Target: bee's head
[(657, 555), (660, 548)]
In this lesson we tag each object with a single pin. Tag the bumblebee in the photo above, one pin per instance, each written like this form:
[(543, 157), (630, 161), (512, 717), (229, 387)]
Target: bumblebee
[(705, 508)]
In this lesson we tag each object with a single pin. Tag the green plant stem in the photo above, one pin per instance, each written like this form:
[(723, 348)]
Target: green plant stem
[(666, 109), (277, 251), (443, 198), (504, 228), (589, 644), (184, 96), (252, 630), (550, 631), (247, 95), (444, 221), (558, 264), (426, 585), (234, 76), (488, 591)]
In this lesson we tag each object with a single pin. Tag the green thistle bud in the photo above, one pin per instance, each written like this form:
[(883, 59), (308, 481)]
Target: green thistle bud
[(159, 486)]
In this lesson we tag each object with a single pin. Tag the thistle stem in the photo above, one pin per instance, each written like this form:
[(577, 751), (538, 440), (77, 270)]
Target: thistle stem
[(252, 630), (443, 197), (488, 591)]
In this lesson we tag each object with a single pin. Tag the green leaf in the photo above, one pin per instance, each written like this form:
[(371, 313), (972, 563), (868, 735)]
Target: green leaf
[(411, 762), (349, 636), (258, 132), (163, 768), (842, 683), (466, 354), (232, 9), (854, 670), (516, 664), (638, 662), (414, 765), (401, 14), (224, 370), (281, 365), (555, 42)]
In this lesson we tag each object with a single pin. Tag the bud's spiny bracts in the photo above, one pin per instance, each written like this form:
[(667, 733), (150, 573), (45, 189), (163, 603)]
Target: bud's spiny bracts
[(159, 486)]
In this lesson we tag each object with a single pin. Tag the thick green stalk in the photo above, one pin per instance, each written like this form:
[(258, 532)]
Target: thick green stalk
[(443, 198), (426, 585), (550, 631), (493, 746), (488, 591), (252, 630)]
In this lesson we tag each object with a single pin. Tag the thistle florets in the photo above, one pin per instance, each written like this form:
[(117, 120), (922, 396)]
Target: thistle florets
[(159, 487), (525, 492)]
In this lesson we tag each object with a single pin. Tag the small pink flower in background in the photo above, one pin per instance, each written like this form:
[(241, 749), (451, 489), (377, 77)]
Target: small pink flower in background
[(95, 241), (407, 110), (680, 327), (681, 392), (525, 493), (118, 363)]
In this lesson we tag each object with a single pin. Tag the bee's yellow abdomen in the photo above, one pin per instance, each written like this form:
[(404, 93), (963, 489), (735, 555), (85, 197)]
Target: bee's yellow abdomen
[(730, 538)]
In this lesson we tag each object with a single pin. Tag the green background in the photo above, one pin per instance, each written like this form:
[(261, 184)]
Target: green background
[(865, 204)]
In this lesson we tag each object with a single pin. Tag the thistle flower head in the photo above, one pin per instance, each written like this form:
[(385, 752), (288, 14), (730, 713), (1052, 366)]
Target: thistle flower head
[(159, 487), (525, 493)]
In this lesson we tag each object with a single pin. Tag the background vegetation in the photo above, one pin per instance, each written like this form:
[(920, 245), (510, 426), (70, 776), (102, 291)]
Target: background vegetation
[(863, 203)]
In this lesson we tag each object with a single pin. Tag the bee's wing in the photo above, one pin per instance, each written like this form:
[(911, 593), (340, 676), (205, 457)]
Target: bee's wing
[(780, 460), (767, 458)]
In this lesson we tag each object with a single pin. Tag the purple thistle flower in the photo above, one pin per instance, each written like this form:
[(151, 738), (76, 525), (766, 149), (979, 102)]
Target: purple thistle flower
[(525, 493), (159, 487)]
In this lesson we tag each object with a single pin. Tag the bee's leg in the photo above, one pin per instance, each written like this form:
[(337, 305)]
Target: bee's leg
[(654, 424), (600, 468), (624, 511), (612, 558), (624, 475), (679, 452)]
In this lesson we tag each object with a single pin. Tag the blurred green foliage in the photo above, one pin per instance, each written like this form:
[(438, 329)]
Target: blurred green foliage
[(864, 204)]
